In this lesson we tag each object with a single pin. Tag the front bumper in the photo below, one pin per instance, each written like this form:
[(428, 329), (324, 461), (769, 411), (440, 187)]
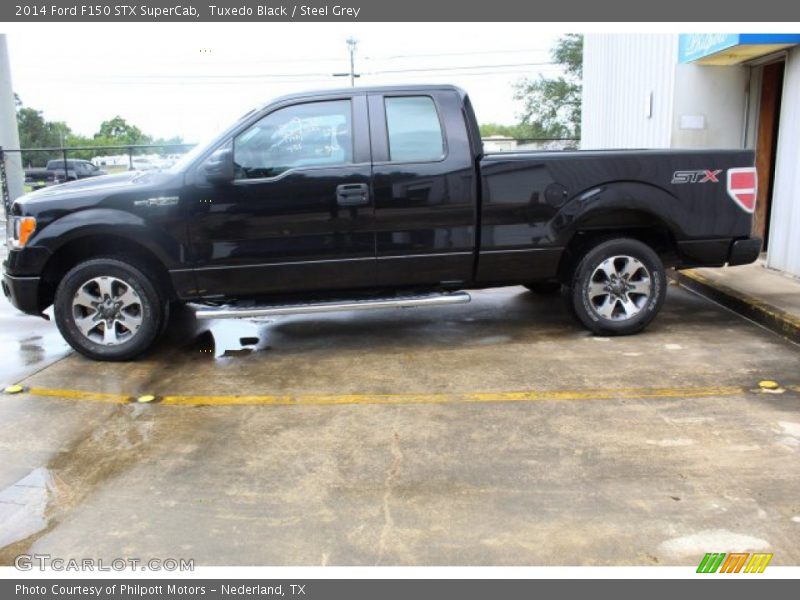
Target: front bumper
[(23, 293)]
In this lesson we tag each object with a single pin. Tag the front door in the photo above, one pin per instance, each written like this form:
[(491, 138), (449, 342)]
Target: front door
[(299, 214)]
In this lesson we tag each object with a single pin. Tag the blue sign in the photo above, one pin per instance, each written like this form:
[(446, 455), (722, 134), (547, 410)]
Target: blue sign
[(694, 46)]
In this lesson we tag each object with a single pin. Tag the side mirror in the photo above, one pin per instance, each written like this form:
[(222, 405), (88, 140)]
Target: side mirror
[(218, 168)]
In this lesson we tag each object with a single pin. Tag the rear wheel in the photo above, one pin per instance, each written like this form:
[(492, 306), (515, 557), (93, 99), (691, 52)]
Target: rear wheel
[(618, 287), (109, 309)]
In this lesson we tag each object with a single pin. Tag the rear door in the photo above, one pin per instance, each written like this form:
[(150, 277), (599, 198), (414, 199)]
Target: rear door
[(299, 214), (424, 188)]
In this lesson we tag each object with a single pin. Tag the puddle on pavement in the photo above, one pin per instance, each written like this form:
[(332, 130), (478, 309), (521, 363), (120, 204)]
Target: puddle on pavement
[(29, 344), (35, 504), (231, 338), (24, 506)]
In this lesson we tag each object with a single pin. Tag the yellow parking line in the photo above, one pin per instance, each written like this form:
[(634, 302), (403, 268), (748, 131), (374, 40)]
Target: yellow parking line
[(78, 395), (421, 398)]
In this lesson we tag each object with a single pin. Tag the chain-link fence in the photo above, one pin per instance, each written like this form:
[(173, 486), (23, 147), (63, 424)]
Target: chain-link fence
[(50, 166)]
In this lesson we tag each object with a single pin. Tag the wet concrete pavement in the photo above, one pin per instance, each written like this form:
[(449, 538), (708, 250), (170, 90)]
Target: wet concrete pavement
[(29, 344), (493, 433)]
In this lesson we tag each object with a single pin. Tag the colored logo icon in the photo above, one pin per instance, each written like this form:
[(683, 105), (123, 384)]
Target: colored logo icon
[(734, 562)]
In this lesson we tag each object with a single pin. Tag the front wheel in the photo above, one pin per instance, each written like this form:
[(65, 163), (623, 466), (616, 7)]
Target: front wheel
[(109, 309), (618, 287)]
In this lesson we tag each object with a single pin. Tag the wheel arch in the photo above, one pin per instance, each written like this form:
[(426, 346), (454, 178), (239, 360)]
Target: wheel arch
[(97, 245), (626, 209)]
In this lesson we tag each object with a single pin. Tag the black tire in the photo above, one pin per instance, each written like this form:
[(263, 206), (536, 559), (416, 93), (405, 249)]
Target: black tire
[(624, 308), (149, 310), (544, 288)]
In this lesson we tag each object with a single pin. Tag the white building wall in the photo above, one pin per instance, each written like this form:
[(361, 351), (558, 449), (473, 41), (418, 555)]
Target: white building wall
[(628, 84), (717, 96), (784, 245)]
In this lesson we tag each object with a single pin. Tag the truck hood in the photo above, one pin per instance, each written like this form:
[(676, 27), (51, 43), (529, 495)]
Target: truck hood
[(92, 185), (94, 191)]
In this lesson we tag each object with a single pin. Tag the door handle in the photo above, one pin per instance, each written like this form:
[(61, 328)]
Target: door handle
[(352, 194)]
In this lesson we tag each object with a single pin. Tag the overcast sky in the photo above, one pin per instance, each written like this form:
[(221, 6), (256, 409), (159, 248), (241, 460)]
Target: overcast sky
[(194, 79)]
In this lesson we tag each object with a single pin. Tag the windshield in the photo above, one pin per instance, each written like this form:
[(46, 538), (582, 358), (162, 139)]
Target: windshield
[(186, 159)]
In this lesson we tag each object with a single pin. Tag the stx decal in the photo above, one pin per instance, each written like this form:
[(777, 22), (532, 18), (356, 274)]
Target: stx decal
[(698, 176)]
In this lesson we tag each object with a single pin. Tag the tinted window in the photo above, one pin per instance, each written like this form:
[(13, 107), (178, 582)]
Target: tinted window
[(317, 134), (59, 164), (415, 133)]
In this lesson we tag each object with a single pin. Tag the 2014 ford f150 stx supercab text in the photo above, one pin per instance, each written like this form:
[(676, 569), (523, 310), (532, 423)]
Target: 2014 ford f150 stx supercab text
[(370, 198)]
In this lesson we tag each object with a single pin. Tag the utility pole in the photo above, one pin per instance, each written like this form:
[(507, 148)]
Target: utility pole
[(351, 46), (9, 135)]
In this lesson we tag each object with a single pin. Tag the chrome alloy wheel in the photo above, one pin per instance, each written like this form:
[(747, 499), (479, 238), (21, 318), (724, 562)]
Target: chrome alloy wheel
[(619, 288), (107, 310)]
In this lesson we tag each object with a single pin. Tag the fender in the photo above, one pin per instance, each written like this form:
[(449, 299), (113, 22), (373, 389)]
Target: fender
[(608, 205), (619, 205), (117, 223)]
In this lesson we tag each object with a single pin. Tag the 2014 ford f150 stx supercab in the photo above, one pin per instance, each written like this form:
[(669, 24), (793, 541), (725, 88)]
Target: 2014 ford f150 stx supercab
[(369, 198)]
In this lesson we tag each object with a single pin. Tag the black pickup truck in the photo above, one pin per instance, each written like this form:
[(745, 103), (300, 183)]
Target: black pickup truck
[(55, 172), (370, 198)]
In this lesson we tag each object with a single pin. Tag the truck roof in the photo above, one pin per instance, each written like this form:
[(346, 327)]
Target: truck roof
[(370, 90)]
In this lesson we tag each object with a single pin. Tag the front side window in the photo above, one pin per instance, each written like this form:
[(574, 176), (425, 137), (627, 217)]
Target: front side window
[(316, 134), (415, 133)]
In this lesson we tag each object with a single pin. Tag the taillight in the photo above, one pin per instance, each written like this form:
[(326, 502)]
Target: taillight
[(743, 187)]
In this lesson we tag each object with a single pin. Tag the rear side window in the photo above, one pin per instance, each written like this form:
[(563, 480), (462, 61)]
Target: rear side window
[(414, 130)]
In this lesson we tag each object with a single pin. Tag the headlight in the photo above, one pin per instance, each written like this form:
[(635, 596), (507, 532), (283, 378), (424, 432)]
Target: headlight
[(20, 229)]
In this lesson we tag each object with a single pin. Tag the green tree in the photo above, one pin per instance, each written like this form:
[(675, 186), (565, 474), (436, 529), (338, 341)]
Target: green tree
[(553, 106), (518, 131), (36, 132), (118, 131)]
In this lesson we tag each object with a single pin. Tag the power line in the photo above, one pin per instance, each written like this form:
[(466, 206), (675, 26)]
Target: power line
[(474, 73), (470, 53), (273, 77), (430, 69)]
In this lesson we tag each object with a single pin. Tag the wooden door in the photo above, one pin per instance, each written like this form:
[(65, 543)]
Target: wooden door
[(766, 145)]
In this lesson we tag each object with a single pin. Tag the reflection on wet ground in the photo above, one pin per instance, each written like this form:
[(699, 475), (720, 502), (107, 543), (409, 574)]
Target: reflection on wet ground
[(23, 506), (96, 453), (228, 338), (28, 343)]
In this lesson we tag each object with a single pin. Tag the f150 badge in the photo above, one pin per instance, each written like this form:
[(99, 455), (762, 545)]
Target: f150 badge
[(698, 176), (160, 201)]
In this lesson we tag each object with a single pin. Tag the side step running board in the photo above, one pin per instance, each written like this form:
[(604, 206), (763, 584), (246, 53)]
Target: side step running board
[(271, 310)]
